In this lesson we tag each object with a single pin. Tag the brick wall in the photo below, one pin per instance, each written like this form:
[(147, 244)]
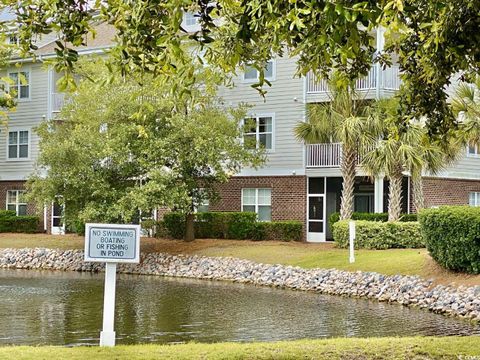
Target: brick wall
[(18, 185), (448, 191), (288, 195)]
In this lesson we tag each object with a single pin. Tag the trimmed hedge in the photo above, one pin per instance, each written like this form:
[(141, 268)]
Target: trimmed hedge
[(279, 230), (10, 222), (379, 235), (452, 236), (383, 217), (231, 225)]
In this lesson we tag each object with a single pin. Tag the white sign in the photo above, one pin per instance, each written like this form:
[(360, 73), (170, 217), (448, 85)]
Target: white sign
[(112, 243)]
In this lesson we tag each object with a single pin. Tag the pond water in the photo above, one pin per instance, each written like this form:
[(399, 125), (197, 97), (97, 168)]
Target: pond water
[(65, 308)]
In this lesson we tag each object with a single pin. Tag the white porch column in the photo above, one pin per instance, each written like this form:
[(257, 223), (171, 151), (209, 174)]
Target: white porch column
[(380, 47), (378, 194)]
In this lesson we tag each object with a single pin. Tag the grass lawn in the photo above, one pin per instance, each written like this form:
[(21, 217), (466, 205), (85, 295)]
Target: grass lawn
[(395, 261), (373, 348)]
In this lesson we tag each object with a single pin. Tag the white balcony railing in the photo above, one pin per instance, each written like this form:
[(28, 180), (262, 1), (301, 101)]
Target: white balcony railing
[(390, 80), (324, 155), (58, 100)]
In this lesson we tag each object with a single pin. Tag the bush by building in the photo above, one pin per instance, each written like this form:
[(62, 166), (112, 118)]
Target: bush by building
[(452, 236), (10, 222), (383, 217), (379, 235), (230, 225)]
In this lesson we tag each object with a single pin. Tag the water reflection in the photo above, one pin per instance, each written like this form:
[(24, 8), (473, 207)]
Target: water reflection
[(65, 308)]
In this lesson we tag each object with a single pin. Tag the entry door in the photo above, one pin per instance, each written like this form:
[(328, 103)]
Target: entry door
[(316, 209), (58, 225)]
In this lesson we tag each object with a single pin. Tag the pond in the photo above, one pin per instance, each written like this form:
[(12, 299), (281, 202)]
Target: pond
[(65, 308)]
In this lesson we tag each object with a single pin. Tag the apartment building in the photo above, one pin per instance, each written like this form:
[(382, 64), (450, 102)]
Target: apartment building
[(298, 182)]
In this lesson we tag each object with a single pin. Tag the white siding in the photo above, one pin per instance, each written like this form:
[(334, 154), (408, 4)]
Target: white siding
[(28, 115), (285, 100)]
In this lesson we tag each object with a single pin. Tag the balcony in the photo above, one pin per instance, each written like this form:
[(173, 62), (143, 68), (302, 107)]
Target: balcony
[(323, 155), (58, 100), (389, 80)]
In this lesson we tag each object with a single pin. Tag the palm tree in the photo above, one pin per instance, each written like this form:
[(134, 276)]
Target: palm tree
[(435, 156), (406, 148), (466, 106), (344, 119), (394, 154)]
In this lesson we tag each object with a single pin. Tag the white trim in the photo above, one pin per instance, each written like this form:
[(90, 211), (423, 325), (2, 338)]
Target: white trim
[(257, 134), (268, 78), (476, 198), (45, 222), (41, 57), (17, 202), (474, 155), (267, 171), (7, 141), (57, 230), (311, 236), (49, 92), (257, 204), (26, 69)]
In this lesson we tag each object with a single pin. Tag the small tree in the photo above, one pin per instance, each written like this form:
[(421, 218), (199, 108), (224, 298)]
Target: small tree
[(347, 120), (122, 147)]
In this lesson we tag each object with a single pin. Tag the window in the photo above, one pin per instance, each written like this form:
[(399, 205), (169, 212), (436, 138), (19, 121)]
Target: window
[(15, 202), (20, 85), (474, 199), (473, 151), (190, 19), (13, 39), (203, 207), (258, 132), (251, 74), (258, 201), (18, 144)]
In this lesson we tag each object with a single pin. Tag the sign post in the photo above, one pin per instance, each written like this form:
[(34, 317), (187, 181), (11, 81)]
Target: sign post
[(111, 244), (351, 227)]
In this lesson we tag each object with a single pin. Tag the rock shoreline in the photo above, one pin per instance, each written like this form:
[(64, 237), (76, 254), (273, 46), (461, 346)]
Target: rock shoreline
[(411, 291)]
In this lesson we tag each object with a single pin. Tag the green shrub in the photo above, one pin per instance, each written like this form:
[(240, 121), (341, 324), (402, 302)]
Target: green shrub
[(233, 225), (279, 230), (452, 236), (7, 214), (379, 235), (334, 217), (174, 224), (18, 224)]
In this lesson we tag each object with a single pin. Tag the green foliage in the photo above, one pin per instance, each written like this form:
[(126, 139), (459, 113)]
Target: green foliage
[(279, 231), (174, 224), (123, 148), (379, 235), (9, 222), (435, 40), (233, 225), (7, 214), (452, 236), (334, 217)]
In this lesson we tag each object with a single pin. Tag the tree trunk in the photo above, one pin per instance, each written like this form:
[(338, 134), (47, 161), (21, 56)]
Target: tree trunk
[(395, 196), (417, 188), (189, 227), (348, 168)]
